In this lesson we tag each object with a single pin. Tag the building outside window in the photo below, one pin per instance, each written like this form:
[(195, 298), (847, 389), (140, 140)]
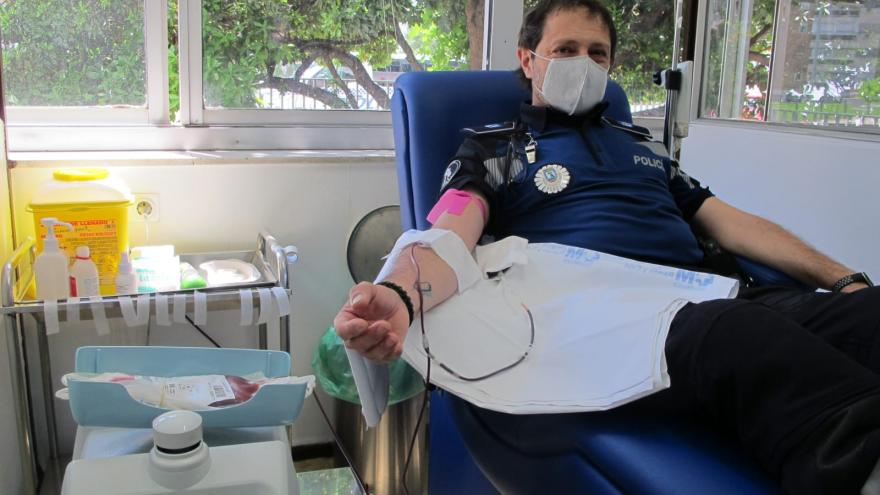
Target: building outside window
[(793, 62)]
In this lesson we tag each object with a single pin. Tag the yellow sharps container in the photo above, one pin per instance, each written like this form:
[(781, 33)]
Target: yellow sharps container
[(97, 206)]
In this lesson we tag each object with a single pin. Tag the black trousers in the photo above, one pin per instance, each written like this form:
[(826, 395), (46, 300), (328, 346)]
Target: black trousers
[(794, 376)]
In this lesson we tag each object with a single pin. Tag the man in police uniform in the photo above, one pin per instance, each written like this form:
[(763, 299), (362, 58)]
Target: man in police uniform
[(794, 375)]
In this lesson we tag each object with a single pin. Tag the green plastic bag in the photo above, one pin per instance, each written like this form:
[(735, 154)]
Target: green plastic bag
[(331, 367)]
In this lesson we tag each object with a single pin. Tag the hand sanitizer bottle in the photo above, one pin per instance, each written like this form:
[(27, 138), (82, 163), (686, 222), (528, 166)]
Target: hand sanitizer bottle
[(84, 273), (126, 278), (50, 267)]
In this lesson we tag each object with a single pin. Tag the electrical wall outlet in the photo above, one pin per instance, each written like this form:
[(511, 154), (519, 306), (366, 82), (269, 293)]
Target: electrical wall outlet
[(146, 207)]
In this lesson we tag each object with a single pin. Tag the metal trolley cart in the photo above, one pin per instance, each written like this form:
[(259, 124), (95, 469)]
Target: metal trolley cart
[(270, 258)]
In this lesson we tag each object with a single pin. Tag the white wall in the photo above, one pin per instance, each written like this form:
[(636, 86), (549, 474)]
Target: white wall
[(822, 189), (312, 204)]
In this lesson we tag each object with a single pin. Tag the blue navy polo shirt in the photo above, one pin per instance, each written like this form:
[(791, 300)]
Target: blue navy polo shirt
[(623, 196)]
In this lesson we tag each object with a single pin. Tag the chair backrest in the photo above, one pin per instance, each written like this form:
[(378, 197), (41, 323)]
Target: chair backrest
[(428, 111)]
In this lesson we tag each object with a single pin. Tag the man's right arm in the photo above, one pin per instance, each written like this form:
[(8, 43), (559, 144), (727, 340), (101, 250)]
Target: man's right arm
[(375, 319)]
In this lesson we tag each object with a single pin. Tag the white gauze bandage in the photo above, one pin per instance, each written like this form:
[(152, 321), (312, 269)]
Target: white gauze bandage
[(447, 245), (372, 379)]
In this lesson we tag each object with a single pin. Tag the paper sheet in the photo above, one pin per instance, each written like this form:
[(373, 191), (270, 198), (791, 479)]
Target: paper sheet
[(246, 296), (162, 311), (600, 329), (179, 311), (267, 307), (200, 303), (282, 299), (135, 316), (73, 310), (50, 314), (99, 315)]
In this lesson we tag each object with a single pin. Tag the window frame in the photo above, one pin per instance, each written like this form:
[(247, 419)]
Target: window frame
[(193, 111), (50, 129), (38, 116), (861, 133)]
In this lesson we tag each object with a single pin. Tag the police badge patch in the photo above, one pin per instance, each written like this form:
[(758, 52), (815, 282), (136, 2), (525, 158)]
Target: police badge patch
[(552, 178), (451, 170)]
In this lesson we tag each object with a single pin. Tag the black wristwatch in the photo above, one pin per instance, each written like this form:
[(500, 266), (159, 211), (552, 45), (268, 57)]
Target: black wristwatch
[(852, 278)]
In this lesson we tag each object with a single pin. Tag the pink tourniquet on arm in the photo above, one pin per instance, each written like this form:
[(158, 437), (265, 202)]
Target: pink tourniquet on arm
[(454, 202)]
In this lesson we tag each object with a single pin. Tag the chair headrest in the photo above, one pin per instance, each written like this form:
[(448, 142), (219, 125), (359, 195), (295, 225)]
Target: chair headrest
[(499, 90)]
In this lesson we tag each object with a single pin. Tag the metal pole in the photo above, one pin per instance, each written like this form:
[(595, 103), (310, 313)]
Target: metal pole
[(46, 379), (21, 402), (18, 374), (290, 256)]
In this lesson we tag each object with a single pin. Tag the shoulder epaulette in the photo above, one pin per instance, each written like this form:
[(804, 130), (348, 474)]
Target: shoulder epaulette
[(635, 130), (498, 129)]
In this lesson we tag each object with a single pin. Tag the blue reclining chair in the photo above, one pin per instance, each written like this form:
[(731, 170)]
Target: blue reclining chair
[(618, 451)]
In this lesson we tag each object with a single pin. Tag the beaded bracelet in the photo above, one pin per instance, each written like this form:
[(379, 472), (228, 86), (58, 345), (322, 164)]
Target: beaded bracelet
[(403, 296)]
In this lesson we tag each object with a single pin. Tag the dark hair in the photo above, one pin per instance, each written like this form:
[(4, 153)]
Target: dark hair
[(532, 29)]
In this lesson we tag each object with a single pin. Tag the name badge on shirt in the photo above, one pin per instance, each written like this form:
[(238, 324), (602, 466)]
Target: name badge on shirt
[(552, 178)]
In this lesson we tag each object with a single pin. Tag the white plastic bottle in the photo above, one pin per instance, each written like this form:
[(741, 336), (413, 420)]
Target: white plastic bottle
[(50, 267), (84, 273), (126, 278)]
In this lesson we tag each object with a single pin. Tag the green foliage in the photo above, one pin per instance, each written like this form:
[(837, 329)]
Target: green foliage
[(870, 90), (645, 32), (237, 46), (246, 41), (73, 52), (443, 41)]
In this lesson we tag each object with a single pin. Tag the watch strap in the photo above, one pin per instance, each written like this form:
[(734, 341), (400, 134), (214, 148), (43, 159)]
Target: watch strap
[(852, 278)]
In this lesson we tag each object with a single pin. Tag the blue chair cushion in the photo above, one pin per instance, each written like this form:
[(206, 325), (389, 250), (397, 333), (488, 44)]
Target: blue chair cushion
[(617, 451)]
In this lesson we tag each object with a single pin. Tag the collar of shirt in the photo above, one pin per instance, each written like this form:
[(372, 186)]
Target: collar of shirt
[(539, 118)]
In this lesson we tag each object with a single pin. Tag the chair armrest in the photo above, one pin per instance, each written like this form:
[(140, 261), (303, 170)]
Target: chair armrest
[(764, 275)]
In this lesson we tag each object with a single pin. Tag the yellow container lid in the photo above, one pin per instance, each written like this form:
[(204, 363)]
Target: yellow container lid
[(80, 174), (82, 187)]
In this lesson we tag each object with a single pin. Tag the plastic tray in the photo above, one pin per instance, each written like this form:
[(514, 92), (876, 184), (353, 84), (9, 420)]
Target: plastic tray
[(108, 404)]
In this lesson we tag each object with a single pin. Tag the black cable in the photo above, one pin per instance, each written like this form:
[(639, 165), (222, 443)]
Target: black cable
[(357, 476), (415, 434), (203, 332)]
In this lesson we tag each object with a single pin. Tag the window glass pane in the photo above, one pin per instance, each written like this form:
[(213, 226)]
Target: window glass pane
[(829, 52), (824, 62), (173, 62), (302, 54), (73, 52), (644, 45)]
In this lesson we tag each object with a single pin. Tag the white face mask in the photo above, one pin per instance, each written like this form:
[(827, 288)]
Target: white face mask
[(573, 85)]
